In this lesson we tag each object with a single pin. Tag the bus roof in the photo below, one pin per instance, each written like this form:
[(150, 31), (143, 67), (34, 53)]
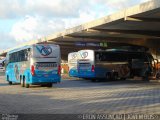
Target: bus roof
[(115, 50), (18, 49), (27, 46)]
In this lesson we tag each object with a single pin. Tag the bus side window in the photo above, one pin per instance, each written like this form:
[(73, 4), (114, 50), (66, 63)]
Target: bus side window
[(101, 57), (27, 54), (97, 57), (10, 58)]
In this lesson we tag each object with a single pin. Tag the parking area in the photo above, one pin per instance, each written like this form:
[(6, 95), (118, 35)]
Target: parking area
[(82, 96)]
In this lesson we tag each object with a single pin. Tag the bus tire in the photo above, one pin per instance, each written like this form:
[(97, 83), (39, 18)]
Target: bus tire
[(22, 82), (157, 75), (25, 83), (9, 82)]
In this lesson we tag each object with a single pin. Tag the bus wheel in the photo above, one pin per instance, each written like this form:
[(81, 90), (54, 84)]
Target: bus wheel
[(26, 84), (9, 82), (158, 75), (22, 83)]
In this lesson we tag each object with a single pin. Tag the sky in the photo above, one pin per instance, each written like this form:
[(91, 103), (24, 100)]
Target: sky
[(24, 20)]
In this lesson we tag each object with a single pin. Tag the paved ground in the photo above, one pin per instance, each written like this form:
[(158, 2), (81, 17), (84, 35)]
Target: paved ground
[(81, 96)]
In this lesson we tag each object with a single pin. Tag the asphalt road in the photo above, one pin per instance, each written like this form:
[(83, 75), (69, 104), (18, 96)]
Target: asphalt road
[(81, 96)]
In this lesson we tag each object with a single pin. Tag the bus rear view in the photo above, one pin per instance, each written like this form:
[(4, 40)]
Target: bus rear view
[(86, 68), (72, 64), (35, 64)]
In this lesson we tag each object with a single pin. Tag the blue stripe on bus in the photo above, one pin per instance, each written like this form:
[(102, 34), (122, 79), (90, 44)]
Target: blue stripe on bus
[(73, 73), (98, 73)]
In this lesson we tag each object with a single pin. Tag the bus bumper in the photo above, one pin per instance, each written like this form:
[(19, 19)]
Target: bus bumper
[(86, 75), (43, 80), (73, 73)]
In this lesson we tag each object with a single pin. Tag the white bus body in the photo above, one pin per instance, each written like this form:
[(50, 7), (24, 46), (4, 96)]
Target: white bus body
[(72, 64)]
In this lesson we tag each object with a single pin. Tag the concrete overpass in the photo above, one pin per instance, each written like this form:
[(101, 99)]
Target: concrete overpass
[(138, 25)]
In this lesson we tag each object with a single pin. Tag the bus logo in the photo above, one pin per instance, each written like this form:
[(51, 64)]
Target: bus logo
[(84, 54), (44, 50)]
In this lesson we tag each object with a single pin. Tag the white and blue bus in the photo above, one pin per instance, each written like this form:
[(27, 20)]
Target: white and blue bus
[(72, 64), (114, 64), (34, 64)]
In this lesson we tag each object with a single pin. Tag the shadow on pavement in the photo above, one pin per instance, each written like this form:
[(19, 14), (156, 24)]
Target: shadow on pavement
[(128, 101)]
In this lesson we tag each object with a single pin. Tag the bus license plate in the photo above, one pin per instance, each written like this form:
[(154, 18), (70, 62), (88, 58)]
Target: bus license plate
[(46, 66)]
